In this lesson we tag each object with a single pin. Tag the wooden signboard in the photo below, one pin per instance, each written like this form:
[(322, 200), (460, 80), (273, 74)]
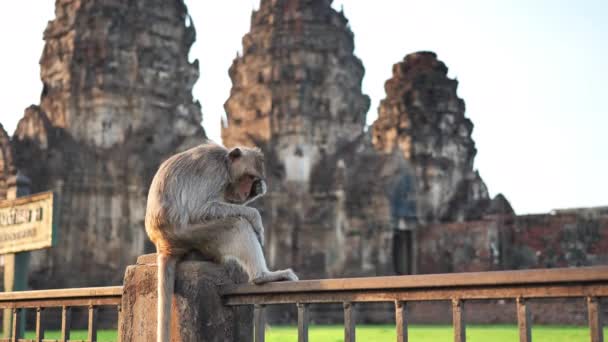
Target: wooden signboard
[(26, 223)]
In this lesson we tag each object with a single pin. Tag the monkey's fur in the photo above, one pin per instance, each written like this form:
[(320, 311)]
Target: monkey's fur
[(197, 202)]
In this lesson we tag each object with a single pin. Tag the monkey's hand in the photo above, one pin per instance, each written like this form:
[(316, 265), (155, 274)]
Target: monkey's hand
[(258, 227), (217, 210)]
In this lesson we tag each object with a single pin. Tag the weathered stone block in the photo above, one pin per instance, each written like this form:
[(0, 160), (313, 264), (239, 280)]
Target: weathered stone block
[(198, 313)]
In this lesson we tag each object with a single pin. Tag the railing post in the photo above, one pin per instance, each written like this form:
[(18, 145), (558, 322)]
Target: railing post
[(458, 320), (349, 322), (16, 332), (594, 311), (92, 336), (523, 321), (118, 317), (66, 320), (259, 323), (401, 321), (302, 322), (39, 327)]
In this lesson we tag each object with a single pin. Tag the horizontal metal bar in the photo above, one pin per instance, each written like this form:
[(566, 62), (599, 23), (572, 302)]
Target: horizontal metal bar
[(50, 303), (423, 294), (579, 275), (86, 292), (110, 295)]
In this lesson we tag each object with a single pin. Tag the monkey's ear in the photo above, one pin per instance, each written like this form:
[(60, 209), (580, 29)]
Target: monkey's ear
[(235, 153)]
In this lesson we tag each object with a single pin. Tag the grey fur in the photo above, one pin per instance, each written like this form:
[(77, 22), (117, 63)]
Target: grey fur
[(190, 187), (188, 208)]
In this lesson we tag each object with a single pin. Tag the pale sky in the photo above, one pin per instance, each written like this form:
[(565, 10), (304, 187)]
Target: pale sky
[(532, 73)]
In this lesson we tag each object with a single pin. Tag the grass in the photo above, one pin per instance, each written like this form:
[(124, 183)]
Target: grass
[(380, 333), (432, 333), (102, 335)]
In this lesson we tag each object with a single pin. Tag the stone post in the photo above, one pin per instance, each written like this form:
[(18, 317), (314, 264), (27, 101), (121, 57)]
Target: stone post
[(16, 265), (198, 314)]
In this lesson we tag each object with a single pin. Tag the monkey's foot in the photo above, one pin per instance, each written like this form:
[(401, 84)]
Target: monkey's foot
[(283, 275)]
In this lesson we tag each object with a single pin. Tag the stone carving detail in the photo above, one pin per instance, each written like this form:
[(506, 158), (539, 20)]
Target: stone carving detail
[(116, 100), (423, 118)]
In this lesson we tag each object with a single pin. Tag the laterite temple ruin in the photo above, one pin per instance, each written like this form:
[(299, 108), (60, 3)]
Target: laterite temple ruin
[(399, 197), (344, 202), (116, 101)]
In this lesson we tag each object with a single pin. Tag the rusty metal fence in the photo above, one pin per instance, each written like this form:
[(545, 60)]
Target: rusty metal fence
[(66, 299), (585, 282)]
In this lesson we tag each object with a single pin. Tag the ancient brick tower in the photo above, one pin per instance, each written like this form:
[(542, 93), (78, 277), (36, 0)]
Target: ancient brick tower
[(117, 100), (343, 202), (297, 81), (297, 94), (423, 118)]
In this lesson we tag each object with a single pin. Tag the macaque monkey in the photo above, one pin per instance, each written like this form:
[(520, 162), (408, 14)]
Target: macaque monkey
[(197, 202)]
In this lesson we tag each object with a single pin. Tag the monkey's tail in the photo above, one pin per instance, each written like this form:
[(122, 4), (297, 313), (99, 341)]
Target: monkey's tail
[(166, 283)]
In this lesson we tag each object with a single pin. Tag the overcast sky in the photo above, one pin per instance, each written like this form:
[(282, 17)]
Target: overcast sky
[(532, 73)]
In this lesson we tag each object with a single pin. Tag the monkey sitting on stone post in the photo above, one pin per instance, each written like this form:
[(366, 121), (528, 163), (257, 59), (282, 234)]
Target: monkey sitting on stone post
[(197, 202)]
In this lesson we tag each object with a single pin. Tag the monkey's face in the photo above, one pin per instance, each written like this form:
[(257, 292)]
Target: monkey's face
[(248, 174), (250, 188)]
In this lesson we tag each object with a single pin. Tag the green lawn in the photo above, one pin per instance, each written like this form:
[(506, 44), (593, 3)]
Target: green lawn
[(428, 333), (380, 333), (102, 335)]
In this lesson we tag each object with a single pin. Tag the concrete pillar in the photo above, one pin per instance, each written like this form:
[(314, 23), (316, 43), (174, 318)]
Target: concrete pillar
[(198, 314)]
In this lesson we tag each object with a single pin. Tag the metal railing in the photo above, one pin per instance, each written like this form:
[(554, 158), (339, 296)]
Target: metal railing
[(585, 282), (65, 299)]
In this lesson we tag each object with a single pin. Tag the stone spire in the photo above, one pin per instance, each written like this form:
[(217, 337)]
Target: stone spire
[(423, 118), (297, 94), (298, 80), (117, 100), (113, 68)]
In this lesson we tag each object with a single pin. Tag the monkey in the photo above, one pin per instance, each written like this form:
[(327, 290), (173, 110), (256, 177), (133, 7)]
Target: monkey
[(197, 201)]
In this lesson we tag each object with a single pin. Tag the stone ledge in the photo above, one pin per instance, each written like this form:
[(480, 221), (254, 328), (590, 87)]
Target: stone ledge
[(146, 259)]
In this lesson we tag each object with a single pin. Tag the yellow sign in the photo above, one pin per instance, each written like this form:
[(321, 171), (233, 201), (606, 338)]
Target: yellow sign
[(26, 223)]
